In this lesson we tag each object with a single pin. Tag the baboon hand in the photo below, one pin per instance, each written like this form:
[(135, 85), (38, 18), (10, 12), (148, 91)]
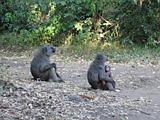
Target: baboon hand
[(54, 65)]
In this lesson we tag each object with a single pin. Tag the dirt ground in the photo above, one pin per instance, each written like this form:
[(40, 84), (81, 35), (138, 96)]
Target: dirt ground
[(137, 95)]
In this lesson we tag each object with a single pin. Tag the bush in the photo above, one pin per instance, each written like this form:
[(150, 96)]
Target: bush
[(34, 18), (35, 22), (139, 23)]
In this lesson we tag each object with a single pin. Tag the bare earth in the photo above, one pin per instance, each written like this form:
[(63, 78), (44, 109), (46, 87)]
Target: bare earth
[(137, 96)]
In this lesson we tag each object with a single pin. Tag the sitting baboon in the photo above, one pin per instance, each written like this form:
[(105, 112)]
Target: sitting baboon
[(108, 71), (109, 74), (41, 68), (98, 76)]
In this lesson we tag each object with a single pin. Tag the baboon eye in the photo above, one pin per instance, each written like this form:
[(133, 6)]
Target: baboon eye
[(99, 58)]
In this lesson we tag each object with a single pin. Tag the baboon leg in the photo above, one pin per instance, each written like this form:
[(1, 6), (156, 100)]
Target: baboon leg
[(110, 86), (45, 76), (59, 77), (95, 85), (102, 85), (47, 67), (53, 76)]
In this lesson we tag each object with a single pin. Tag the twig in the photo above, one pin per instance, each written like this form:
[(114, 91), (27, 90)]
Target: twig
[(108, 22), (87, 97), (140, 111)]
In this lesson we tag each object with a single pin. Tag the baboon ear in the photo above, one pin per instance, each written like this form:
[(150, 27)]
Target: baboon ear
[(44, 50)]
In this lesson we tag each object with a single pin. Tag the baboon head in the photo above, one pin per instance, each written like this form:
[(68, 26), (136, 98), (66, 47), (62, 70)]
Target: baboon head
[(48, 50), (100, 58)]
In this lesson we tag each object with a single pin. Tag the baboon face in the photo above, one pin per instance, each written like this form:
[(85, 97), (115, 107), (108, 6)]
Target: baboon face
[(101, 58), (49, 50)]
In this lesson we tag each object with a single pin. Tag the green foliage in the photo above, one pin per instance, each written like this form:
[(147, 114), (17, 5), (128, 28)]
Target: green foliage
[(139, 23), (71, 11), (34, 22), (35, 16), (84, 31)]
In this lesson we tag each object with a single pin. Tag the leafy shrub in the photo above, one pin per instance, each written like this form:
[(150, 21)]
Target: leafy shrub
[(32, 20), (36, 22), (139, 23)]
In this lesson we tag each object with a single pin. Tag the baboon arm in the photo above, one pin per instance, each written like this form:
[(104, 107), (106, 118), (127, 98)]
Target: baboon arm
[(45, 68), (58, 74), (103, 76)]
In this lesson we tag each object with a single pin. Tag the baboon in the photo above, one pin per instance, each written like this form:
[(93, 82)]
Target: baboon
[(108, 71), (98, 75), (41, 68), (110, 86)]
